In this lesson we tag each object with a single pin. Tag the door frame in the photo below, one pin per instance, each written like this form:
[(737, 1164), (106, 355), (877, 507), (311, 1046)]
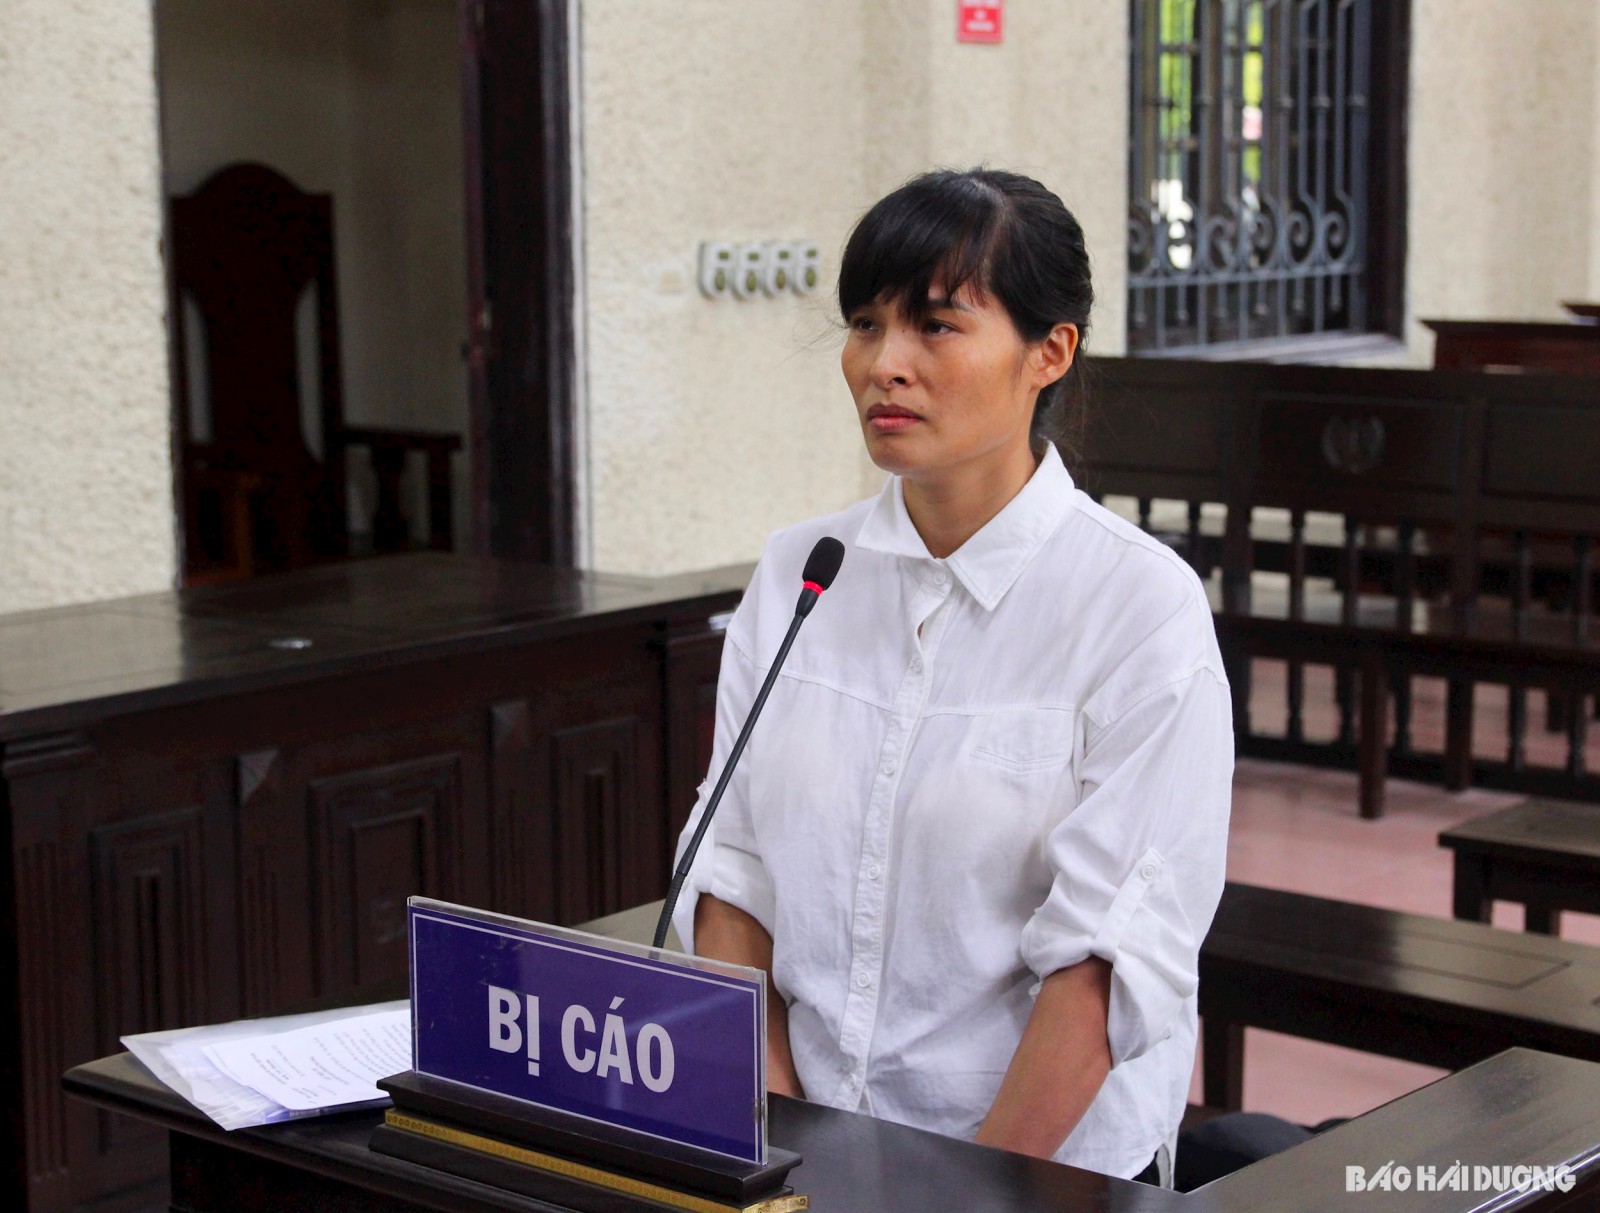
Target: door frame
[(521, 277)]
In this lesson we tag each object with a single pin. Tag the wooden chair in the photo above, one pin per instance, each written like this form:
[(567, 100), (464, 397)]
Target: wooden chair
[(1397, 470), (1427, 525), (257, 495), (1533, 594)]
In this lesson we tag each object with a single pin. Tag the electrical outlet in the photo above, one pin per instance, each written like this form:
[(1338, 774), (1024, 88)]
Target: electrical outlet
[(807, 270), (778, 277), (773, 268), (749, 270), (716, 269)]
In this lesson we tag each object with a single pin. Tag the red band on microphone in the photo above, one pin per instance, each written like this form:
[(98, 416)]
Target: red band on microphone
[(812, 585)]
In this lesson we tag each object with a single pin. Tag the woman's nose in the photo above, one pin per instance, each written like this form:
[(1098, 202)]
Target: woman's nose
[(892, 367)]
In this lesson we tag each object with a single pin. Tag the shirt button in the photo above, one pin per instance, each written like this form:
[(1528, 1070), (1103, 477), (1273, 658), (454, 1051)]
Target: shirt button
[(863, 980), (874, 871), (1148, 871), (941, 578), (888, 766), (916, 665)]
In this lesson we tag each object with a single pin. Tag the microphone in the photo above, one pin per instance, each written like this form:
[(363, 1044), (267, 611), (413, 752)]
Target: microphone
[(822, 566)]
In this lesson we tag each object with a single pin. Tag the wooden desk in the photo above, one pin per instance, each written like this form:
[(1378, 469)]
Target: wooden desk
[(1543, 853), (1560, 346), (217, 800), (1430, 990), (863, 1165)]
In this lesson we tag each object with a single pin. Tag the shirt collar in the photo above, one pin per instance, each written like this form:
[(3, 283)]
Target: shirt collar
[(989, 562)]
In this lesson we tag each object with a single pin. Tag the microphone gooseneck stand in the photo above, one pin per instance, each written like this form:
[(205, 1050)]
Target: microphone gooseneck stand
[(821, 568)]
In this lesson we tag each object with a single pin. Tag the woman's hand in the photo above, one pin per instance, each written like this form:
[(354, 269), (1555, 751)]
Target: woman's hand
[(723, 932), (1059, 1066)]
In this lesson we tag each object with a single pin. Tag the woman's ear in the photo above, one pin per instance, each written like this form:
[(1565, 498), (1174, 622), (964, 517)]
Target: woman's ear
[(1053, 356)]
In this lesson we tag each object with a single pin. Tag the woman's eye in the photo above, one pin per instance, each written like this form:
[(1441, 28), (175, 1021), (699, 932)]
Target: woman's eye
[(937, 326), (861, 324)]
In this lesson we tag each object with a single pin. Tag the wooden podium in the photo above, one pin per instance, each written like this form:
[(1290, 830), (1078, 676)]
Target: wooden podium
[(1519, 1107)]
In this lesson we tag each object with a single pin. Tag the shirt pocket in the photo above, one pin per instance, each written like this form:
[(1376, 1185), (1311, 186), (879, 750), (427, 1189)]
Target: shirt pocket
[(1023, 741), (978, 812)]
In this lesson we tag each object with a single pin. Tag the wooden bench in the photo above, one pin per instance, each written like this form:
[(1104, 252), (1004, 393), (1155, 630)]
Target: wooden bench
[(1458, 512), (1430, 990), (1543, 853)]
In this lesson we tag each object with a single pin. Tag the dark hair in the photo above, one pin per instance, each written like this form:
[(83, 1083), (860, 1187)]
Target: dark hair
[(1004, 234)]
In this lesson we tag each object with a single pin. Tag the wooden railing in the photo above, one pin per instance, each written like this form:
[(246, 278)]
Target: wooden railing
[(1418, 523)]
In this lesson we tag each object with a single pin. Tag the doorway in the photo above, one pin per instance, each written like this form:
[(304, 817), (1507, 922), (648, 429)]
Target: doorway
[(437, 129)]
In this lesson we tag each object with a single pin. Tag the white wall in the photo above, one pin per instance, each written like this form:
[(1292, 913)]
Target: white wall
[(711, 423), (1594, 160), (1504, 171), (1052, 102), (85, 467), (360, 99)]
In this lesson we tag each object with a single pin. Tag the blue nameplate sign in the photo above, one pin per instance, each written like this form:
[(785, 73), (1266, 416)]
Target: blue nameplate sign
[(658, 1042)]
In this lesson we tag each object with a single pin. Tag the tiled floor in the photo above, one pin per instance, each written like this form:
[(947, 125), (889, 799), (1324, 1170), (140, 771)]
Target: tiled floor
[(1297, 828)]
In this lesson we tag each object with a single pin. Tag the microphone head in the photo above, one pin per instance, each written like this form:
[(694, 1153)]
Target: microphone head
[(822, 566)]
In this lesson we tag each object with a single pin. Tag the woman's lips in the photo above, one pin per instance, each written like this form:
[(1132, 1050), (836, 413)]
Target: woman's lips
[(890, 419)]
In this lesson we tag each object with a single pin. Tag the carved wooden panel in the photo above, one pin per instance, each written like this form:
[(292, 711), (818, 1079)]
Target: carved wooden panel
[(379, 836), (47, 1003), (274, 911), (41, 938), (1543, 453), (518, 828), (149, 945), (596, 802), (1354, 453), (694, 660)]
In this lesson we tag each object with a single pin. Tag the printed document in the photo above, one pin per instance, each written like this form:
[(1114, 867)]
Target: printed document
[(323, 1066), (180, 1057)]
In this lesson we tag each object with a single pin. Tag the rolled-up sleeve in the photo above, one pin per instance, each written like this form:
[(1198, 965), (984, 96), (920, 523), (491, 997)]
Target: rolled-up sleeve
[(1139, 860), (728, 864)]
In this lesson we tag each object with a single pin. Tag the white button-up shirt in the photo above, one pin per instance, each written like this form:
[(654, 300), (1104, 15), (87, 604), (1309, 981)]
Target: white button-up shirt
[(973, 772)]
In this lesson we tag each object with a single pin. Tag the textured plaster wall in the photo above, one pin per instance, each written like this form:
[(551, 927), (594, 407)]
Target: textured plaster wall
[(1504, 171), (360, 99), (712, 423), (85, 468), (1594, 161), (1050, 101)]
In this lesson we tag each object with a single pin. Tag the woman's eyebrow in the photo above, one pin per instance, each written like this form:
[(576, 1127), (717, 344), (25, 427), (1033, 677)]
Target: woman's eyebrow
[(936, 302)]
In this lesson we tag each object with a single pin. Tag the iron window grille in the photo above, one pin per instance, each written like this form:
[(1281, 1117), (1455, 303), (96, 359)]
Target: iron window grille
[(1266, 173)]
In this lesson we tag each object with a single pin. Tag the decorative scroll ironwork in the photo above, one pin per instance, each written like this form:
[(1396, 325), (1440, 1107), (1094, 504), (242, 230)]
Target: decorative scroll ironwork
[(1248, 173)]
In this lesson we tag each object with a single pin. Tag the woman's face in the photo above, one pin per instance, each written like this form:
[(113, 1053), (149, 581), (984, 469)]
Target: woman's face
[(953, 392)]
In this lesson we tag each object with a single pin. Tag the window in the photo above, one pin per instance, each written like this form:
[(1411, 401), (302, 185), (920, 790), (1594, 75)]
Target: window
[(1266, 171)]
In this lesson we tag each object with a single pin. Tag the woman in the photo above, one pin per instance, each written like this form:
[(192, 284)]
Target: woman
[(979, 832)]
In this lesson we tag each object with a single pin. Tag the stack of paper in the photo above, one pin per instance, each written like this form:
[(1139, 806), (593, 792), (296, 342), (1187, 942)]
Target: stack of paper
[(258, 1071)]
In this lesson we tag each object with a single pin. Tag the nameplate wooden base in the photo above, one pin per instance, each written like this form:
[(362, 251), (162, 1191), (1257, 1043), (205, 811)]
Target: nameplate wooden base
[(582, 1165)]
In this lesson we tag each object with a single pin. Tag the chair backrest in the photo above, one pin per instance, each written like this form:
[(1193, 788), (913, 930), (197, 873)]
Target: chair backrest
[(1164, 433), (1393, 453), (246, 247), (1538, 507)]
